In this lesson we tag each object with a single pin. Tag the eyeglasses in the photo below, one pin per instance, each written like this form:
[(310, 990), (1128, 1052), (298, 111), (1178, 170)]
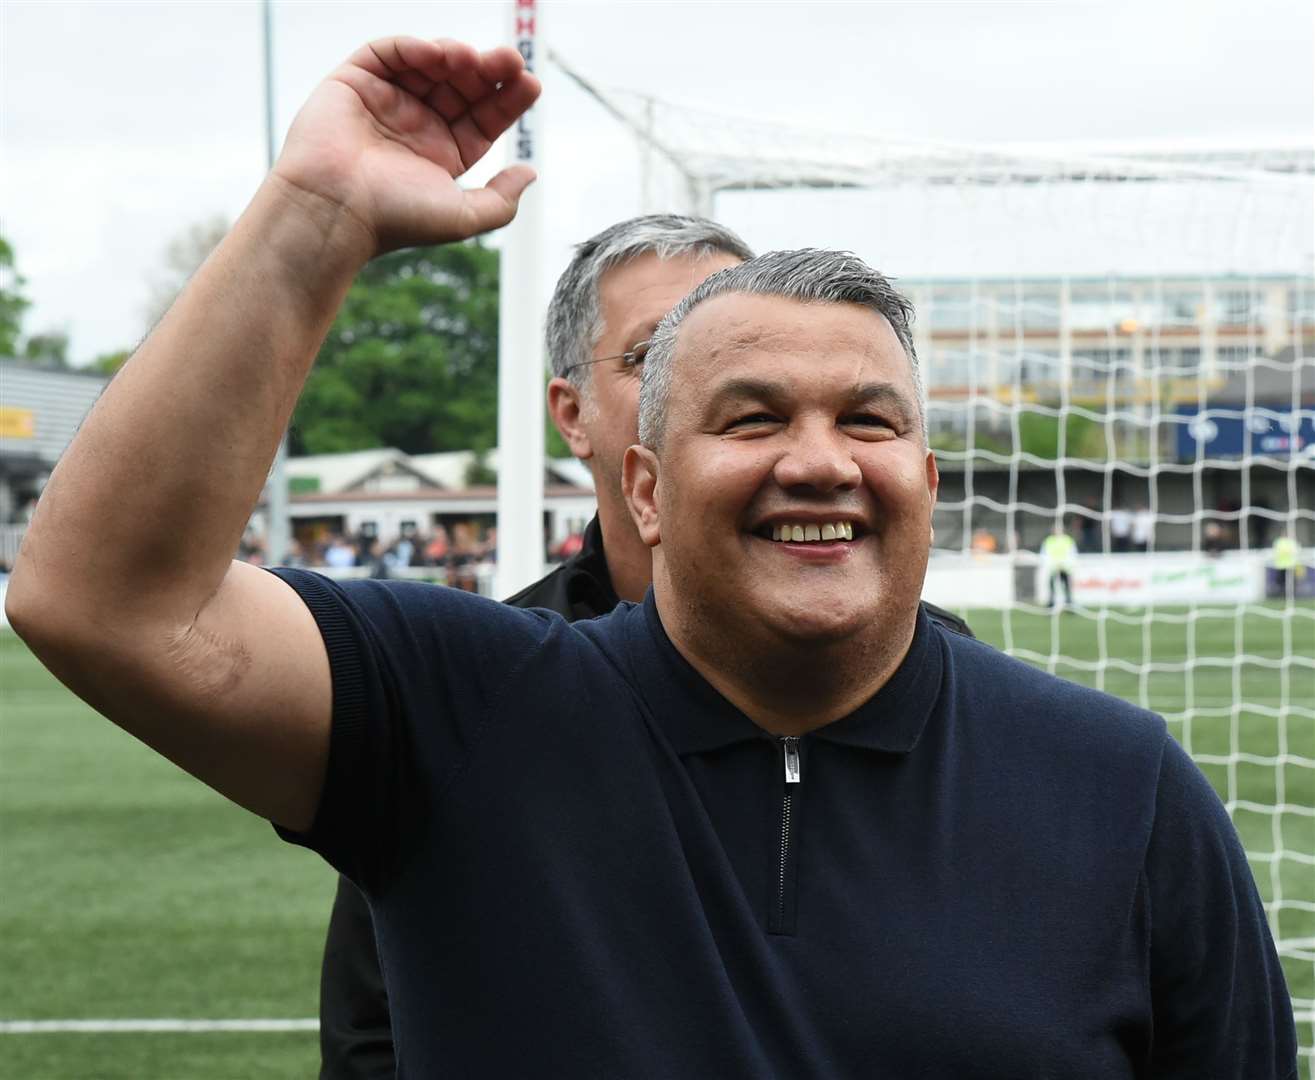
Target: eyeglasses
[(633, 357)]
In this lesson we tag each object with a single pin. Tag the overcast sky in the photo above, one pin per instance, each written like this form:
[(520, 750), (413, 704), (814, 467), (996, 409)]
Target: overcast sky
[(123, 123)]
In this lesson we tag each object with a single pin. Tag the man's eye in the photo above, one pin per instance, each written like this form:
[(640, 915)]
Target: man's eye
[(868, 420), (753, 420)]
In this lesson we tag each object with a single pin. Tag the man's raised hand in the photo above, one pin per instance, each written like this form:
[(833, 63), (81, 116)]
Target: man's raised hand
[(384, 138)]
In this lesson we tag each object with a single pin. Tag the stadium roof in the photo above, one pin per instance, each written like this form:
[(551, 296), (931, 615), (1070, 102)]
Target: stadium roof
[(387, 469), (41, 410)]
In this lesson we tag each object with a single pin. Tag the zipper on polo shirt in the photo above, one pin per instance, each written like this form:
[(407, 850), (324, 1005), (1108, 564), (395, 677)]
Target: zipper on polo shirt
[(781, 916)]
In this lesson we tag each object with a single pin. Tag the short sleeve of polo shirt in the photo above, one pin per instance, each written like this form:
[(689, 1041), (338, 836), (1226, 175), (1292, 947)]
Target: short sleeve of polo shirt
[(418, 672), (1220, 1006)]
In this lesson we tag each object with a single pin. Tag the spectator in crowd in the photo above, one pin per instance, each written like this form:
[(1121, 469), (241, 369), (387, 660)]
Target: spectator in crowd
[(363, 542), (568, 547), (463, 558), (1059, 553), (1120, 529), (403, 549), (251, 547), (437, 548), (1214, 540), (295, 554), (339, 554), (984, 542), (1143, 528), (376, 558), (1230, 512)]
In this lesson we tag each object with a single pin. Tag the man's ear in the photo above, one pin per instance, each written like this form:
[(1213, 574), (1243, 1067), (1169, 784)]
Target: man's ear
[(639, 481), (933, 486), (565, 408), (933, 477)]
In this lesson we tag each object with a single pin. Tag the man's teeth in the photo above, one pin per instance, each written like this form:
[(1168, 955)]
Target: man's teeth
[(841, 530)]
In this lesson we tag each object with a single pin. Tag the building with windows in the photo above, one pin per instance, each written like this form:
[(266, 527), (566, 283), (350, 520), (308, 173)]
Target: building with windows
[(1193, 396), (40, 412), (1104, 341), (385, 493)]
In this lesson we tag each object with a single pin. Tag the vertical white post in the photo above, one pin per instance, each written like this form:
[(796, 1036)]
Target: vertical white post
[(277, 528), (520, 363)]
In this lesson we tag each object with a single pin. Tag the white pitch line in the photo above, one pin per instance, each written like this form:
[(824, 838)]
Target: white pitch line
[(43, 1027)]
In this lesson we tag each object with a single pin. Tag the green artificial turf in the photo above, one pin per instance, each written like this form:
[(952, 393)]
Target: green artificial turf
[(128, 890)]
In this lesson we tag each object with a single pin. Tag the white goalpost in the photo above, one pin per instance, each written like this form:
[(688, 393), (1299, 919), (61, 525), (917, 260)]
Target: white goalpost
[(520, 350), (1118, 340)]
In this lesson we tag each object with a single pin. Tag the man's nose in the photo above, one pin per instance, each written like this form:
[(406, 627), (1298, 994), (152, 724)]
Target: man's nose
[(818, 457)]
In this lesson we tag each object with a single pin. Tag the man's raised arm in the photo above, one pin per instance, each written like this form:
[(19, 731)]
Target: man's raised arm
[(125, 585)]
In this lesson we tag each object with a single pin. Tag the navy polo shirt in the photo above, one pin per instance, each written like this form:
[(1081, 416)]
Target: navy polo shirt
[(583, 861)]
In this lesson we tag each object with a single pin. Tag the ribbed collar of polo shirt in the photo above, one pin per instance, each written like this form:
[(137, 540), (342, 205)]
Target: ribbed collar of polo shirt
[(891, 721)]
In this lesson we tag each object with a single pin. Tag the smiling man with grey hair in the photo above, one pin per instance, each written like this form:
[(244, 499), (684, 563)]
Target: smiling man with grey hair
[(773, 821)]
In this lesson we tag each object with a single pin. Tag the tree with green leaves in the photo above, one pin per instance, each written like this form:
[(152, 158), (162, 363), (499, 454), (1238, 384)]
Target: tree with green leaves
[(48, 350), (110, 362), (412, 359), (12, 301)]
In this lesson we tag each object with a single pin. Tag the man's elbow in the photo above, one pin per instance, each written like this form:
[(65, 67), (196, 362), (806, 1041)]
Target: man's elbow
[(24, 603), (47, 617)]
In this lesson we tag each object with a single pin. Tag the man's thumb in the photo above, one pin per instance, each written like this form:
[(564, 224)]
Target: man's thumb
[(494, 205)]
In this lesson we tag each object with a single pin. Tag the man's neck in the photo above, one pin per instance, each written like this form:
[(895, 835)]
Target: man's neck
[(629, 560), (794, 688)]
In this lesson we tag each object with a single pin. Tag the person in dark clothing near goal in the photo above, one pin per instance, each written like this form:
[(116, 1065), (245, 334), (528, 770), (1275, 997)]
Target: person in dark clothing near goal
[(774, 820), (606, 304)]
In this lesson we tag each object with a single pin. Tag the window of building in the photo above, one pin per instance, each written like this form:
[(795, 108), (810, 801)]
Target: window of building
[(1101, 309), (953, 310), (1239, 307), (1234, 356), (1301, 306), (1186, 308), (1039, 366), (1027, 307)]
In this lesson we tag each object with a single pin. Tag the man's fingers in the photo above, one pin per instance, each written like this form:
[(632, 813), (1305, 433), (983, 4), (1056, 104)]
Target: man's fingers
[(475, 130), (453, 79), (385, 58), (500, 64), (493, 205), (497, 113), (445, 101), (471, 142)]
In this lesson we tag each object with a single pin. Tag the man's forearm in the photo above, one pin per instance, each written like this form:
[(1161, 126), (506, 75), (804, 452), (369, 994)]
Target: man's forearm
[(145, 510)]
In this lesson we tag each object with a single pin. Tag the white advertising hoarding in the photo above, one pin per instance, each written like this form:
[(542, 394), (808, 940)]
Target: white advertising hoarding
[(1171, 578)]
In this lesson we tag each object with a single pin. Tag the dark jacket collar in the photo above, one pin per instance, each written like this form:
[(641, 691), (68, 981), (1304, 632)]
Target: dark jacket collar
[(696, 718), (581, 588)]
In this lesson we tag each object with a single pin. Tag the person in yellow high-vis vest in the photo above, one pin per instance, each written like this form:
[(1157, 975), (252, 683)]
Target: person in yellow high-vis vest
[(1286, 558), (1060, 552)]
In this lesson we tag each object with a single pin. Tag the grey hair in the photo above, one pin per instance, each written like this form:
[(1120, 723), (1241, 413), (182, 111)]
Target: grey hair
[(574, 323), (809, 275)]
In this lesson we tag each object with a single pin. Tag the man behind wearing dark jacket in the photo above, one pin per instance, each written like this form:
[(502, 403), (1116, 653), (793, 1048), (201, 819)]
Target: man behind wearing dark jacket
[(607, 303)]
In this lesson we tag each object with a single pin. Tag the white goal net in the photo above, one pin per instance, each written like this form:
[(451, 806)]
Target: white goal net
[(1119, 346)]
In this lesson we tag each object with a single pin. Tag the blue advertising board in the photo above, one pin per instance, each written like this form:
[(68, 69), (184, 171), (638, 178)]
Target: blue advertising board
[(1234, 433)]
